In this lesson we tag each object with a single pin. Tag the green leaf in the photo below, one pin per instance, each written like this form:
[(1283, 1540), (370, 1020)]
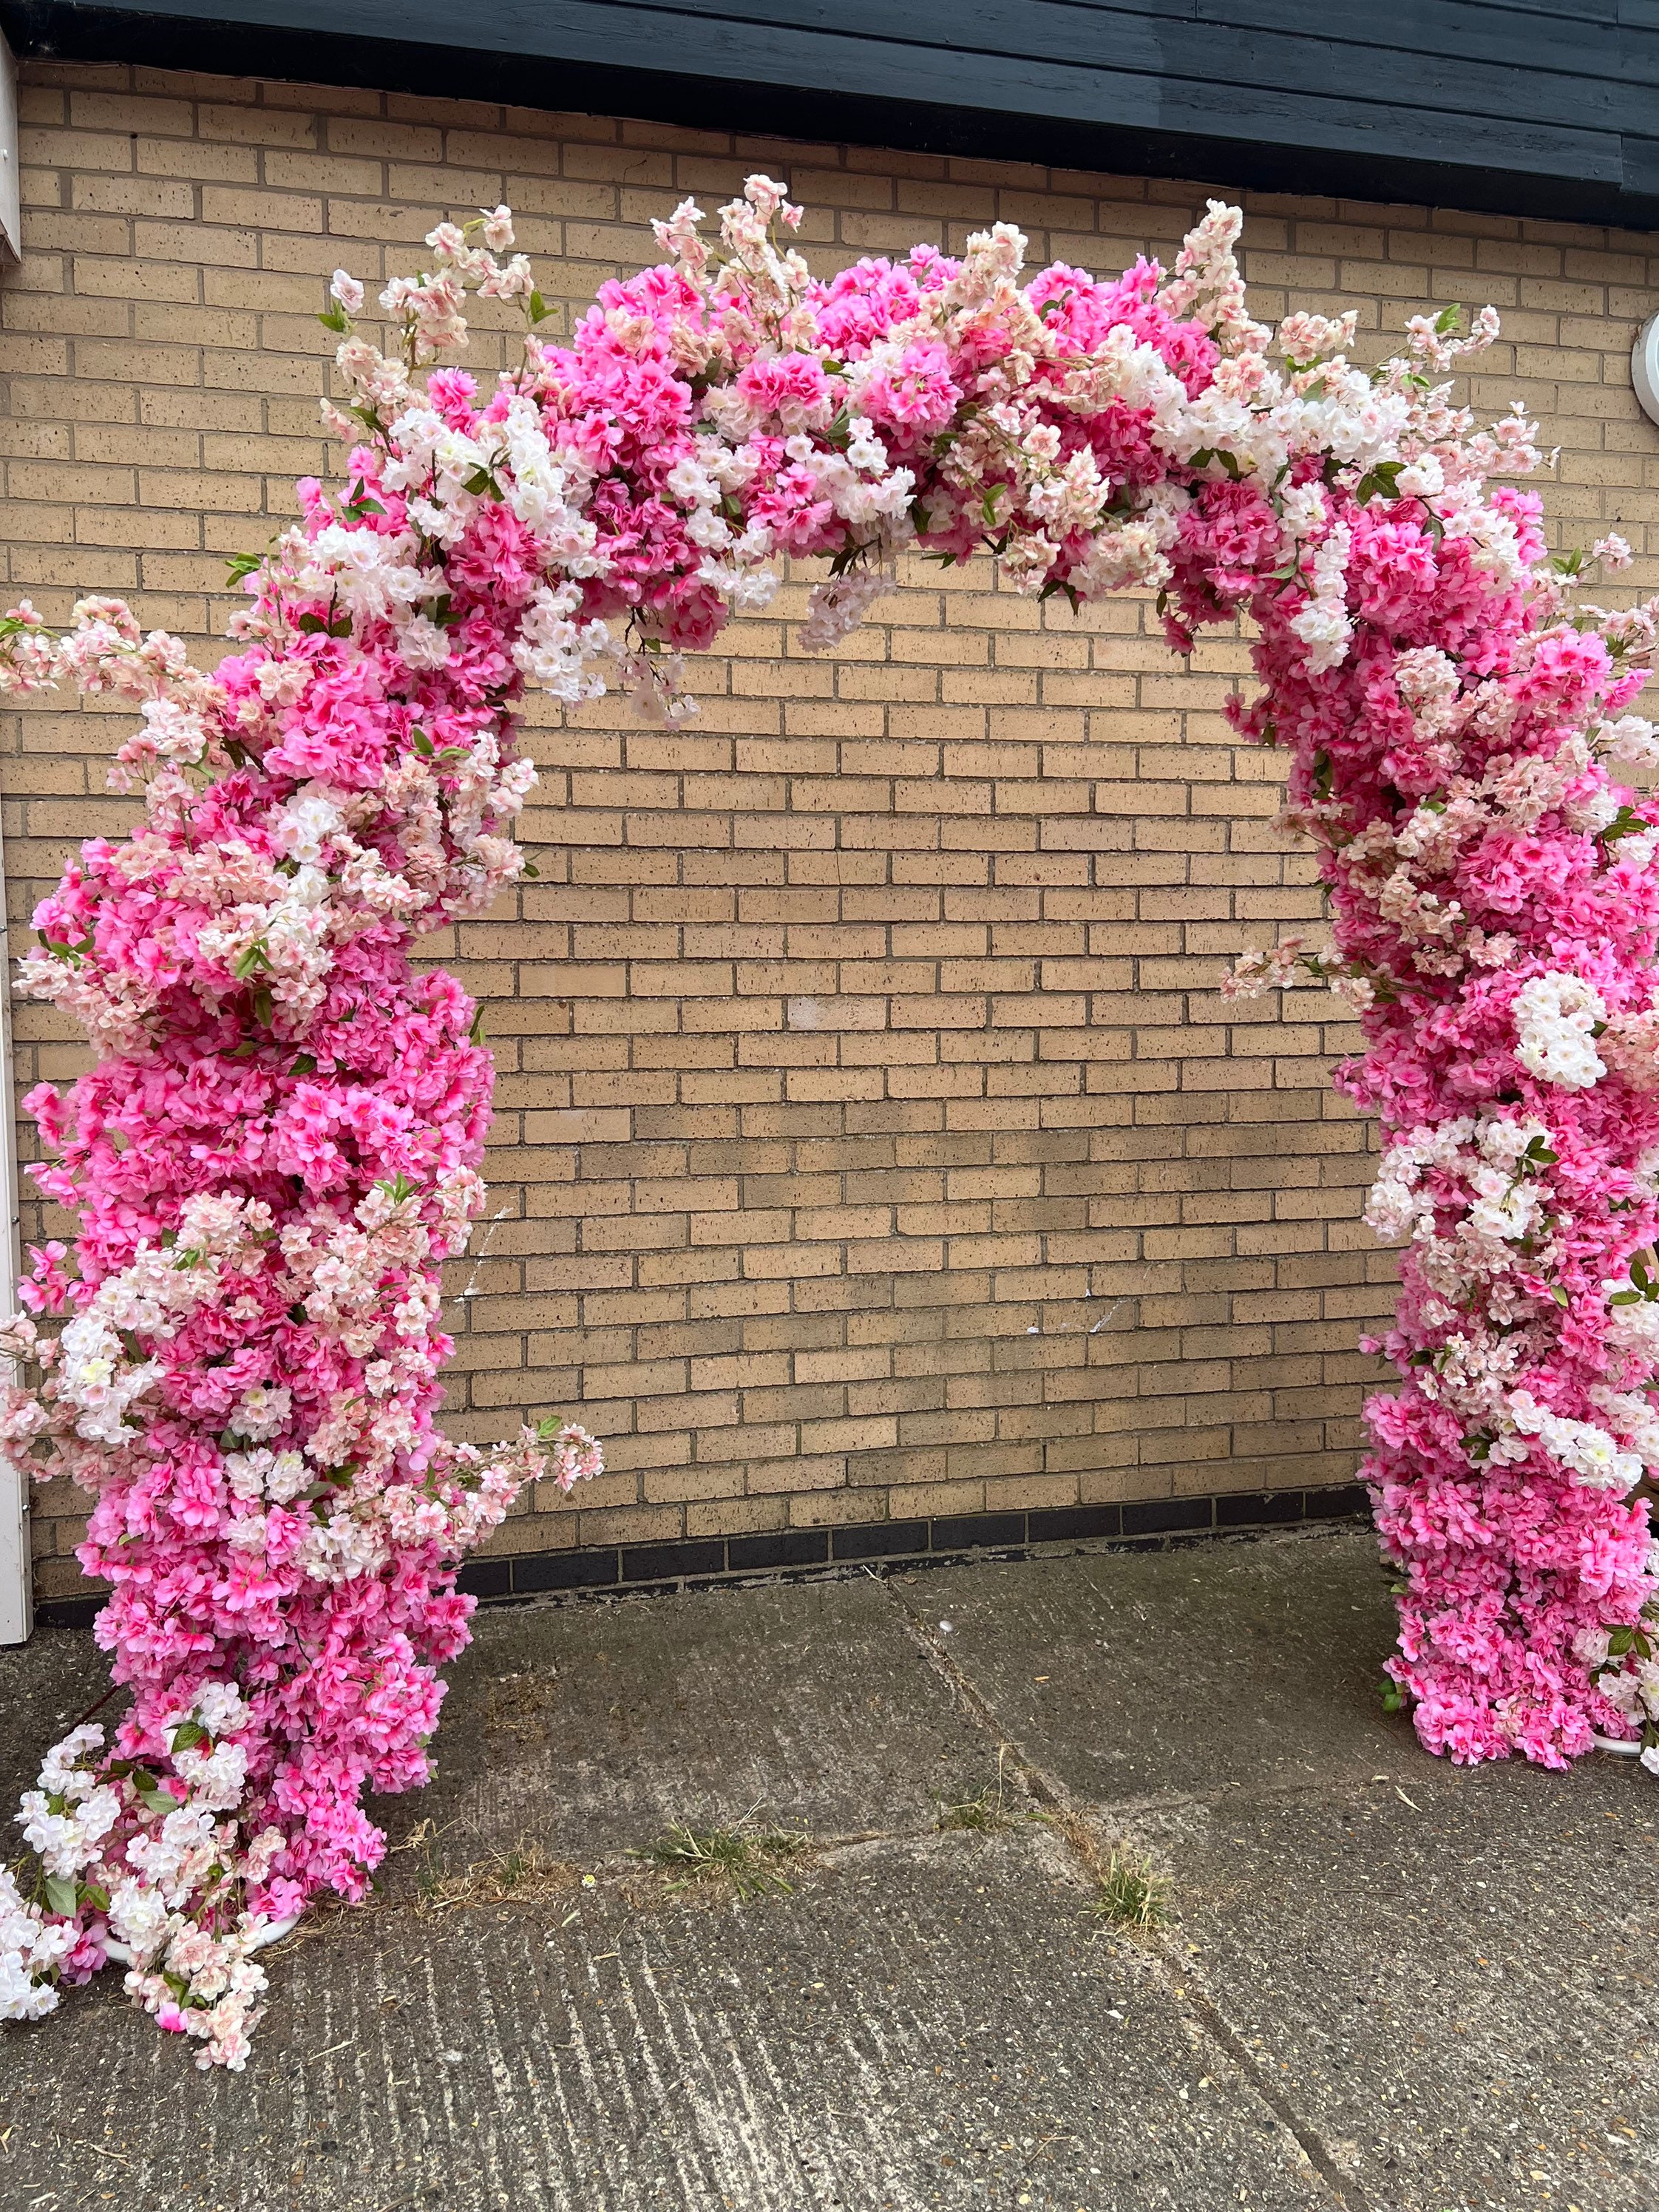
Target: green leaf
[(1620, 1641), (242, 564), (303, 1065), (1560, 1295), (187, 1735), (476, 1034), (61, 1896), (1394, 1698), (532, 871), (1381, 480), (420, 742), (537, 308), (1625, 1298), (1449, 320), (1057, 584), (263, 1007), (336, 319)]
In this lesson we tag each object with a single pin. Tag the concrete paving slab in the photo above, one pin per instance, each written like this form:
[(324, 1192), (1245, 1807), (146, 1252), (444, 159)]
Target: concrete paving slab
[(45, 1684), (589, 1727), (1130, 1675), (1451, 1978), (921, 2024)]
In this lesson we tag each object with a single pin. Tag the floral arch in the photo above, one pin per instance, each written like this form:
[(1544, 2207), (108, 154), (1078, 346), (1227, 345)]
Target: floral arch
[(279, 1142)]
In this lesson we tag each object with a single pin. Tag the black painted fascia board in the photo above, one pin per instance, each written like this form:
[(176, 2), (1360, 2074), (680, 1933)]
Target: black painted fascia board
[(775, 81)]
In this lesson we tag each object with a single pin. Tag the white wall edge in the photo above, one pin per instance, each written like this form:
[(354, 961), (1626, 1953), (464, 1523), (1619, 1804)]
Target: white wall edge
[(11, 231), (17, 1589), (16, 1602)]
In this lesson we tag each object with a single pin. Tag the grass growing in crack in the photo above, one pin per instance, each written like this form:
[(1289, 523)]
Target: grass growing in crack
[(751, 1859), (525, 1872), (982, 1809), (1131, 1894)]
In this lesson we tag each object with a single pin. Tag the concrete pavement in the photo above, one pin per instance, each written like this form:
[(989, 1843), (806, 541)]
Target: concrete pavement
[(1386, 1985)]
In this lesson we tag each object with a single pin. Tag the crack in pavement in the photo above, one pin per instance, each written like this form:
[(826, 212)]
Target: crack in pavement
[(1071, 1822)]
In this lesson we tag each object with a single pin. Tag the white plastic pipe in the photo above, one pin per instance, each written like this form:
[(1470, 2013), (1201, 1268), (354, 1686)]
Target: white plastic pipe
[(17, 1604), (16, 1609)]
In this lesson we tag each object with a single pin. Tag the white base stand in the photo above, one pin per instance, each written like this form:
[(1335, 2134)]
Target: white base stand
[(1620, 1747), (272, 1932)]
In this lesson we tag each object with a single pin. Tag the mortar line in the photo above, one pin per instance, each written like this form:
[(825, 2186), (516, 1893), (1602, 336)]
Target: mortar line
[(1071, 1822)]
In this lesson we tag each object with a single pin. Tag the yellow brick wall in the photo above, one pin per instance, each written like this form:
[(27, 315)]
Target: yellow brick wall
[(871, 1137)]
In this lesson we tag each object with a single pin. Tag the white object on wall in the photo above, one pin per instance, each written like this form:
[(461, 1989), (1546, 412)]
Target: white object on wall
[(1644, 368), (9, 236), (16, 1612), (16, 1606)]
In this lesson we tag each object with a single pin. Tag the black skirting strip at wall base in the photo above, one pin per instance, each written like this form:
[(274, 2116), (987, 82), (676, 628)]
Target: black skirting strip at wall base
[(789, 1554)]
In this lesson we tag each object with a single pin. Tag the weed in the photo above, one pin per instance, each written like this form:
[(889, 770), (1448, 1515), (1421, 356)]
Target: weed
[(983, 1810), (986, 1808), (751, 1859), (1131, 1894), (524, 1872)]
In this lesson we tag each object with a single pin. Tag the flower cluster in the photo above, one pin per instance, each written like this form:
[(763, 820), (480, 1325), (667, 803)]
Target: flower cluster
[(135, 1869), (279, 1144)]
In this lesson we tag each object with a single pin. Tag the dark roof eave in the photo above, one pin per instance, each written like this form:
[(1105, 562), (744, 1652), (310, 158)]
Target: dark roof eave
[(1301, 156)]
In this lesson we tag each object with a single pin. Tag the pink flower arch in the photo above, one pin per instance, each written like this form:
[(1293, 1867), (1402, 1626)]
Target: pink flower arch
[(278, 1145)]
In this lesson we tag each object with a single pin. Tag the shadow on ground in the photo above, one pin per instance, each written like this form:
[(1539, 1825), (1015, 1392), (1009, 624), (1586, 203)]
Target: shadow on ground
[(1388, 1985)]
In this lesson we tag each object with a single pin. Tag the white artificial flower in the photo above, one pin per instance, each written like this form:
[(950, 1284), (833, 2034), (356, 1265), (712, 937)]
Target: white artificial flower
[(1554, 1017)]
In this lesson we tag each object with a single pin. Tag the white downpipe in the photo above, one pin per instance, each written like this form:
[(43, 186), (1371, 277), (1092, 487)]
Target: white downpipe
[(16, 1603), (16, 1608)]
